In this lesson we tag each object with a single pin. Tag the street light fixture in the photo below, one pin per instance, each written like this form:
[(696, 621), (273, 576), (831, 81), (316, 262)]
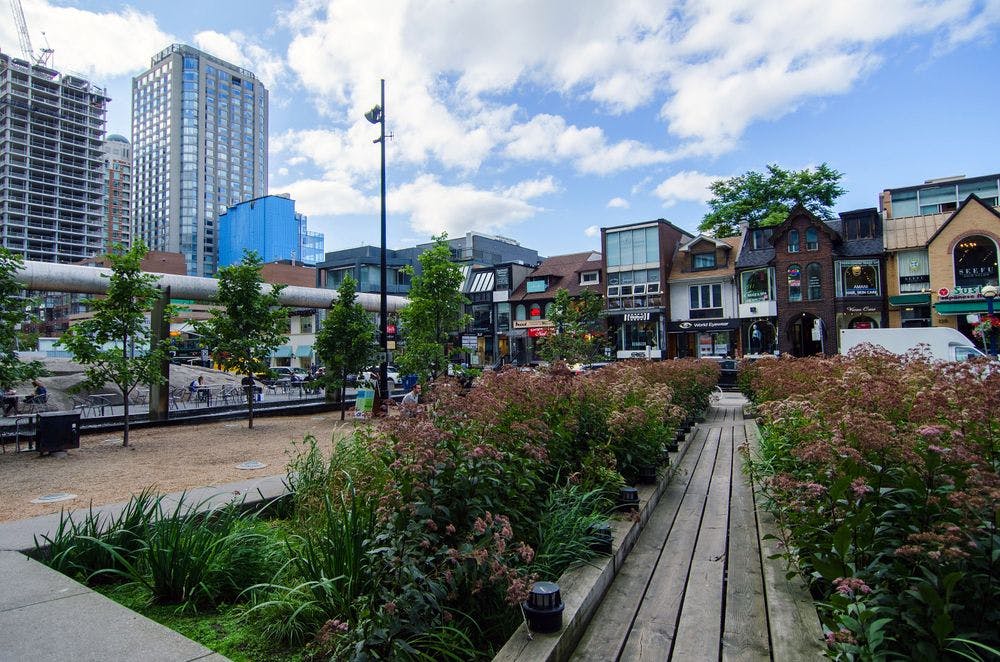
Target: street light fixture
[(377, 116), (989, 293)]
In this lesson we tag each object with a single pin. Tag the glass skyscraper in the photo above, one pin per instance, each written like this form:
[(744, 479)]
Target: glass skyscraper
[(199, 144)]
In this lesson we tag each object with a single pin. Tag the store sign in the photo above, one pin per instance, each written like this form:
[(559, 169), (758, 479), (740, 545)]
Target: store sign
[(703, 325), (914, 280), (532, 324), (959, 293), (861, 309), (539, 332), (640, 354), (636, 317)]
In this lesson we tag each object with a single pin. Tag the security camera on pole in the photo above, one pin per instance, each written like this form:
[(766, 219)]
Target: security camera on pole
[(377, 116)]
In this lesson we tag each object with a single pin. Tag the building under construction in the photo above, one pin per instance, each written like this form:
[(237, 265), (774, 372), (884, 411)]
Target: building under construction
[(52, 175)]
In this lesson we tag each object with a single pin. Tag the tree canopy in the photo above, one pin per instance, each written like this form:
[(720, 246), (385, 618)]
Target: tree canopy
[(116, 344), (764, 199), (579, 336), (436, 309), (346, 341), (250, 323), (12, 315)]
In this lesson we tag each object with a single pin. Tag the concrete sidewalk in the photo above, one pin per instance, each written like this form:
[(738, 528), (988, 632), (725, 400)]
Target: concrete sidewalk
[(48, 617)]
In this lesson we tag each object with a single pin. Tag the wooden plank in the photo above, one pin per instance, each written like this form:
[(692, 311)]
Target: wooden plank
[(796, 633), (611, 623), (744, 635), (655, 624), (699, 630)]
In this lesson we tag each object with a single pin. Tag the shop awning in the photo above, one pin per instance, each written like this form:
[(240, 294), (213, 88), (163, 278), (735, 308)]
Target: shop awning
[(303, 350), (283, 352), (917, 299), (959, 307)]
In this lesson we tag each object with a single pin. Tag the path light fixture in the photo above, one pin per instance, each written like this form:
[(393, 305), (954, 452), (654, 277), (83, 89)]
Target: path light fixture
[(544, 607), (628, 498), (377, 116), (989, 293)]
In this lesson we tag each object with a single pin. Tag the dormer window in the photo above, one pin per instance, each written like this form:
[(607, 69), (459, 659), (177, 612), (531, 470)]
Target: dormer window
[(590, 277), (703, 260), (536, 285)]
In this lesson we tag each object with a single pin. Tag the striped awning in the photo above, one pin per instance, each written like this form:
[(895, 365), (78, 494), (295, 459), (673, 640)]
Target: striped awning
[(482, 282)]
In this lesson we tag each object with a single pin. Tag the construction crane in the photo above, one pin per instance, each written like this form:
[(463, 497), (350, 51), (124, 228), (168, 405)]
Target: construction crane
[(25, 39)]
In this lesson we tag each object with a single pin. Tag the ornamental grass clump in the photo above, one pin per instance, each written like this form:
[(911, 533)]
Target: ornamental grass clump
[(883, 473)]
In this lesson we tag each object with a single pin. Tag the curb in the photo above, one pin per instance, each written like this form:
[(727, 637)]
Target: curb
[(583, 588)]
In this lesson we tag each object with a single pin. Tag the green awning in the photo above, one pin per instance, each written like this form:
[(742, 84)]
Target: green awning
[(283, 351), (303, 350), (918, 299), (960, 307)]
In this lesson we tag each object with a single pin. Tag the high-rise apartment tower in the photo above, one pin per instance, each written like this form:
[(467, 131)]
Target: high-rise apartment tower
[(51, 163), (118, 169), (199, 145)]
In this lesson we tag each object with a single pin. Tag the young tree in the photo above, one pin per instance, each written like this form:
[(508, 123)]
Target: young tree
[(250, 324), (12, 315), (346, 341), (116, 344), (579, 336), (436, 308), (764, 199)]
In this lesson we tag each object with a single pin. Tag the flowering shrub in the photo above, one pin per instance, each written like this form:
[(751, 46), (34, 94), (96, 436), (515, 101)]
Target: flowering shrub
[(461, 490), (883, 472), (988, 325)]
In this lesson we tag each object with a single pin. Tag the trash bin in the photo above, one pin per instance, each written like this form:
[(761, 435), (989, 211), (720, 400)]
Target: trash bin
[(57, 431), (409, 381)]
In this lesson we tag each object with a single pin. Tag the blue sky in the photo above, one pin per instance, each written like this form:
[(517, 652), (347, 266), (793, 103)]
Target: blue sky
[(545, 120)]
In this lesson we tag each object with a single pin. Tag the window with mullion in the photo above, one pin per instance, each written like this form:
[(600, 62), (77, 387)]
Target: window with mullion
[(706, 301)]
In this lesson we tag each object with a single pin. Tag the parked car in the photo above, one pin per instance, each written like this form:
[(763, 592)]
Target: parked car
[(372, 375), (291, 374)]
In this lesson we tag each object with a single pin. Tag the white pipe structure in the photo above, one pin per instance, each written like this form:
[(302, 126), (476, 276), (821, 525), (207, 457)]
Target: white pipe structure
[(52, 277)]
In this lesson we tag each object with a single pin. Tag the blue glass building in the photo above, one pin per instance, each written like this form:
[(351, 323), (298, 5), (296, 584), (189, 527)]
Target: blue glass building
[(271, 227)]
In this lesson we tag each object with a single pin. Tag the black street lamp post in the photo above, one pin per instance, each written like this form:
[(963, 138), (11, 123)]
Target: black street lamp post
[(989, 293), (377, 116)]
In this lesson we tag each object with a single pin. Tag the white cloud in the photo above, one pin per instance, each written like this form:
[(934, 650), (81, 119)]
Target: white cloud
[(685, 186), (435, 207), (712, 69), (592, 231), (618, 203), (549, 138), (97, 44), (243, 51)]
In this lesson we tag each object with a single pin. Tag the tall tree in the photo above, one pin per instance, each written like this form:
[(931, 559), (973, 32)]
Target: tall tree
[(116, 343), (764, 199), (436, 308), (250, 324), (12, 315), (579, 336), (346, 341)]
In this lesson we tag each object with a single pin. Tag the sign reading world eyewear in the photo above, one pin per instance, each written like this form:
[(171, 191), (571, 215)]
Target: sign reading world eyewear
[(704, 325)]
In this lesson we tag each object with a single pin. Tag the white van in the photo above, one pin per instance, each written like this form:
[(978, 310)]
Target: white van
[(944, 343)]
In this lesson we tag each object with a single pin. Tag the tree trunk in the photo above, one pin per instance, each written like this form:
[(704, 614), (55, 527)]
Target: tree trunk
[(343, 394), (250, 393), (125, 426)]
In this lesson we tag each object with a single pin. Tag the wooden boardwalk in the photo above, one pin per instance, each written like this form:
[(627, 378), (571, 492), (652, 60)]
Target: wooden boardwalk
[(697, 585)]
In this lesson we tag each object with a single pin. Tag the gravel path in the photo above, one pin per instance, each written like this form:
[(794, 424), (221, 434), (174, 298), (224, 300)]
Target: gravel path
[(170, 458)]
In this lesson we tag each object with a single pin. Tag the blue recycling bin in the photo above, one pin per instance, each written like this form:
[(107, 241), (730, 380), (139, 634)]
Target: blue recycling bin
[(409, 381)]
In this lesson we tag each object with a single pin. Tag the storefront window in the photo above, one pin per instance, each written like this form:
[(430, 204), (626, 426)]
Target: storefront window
[(535, 312), (975, 262), (761, 338), (638, 335), (756, 286), (713, 344), (814, 290), (794, 282), (858, 278)]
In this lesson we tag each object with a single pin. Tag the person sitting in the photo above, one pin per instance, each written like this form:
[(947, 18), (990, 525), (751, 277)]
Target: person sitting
[(197, 389), (410, 404), (39, 396), (248, 383), (9, 401)]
